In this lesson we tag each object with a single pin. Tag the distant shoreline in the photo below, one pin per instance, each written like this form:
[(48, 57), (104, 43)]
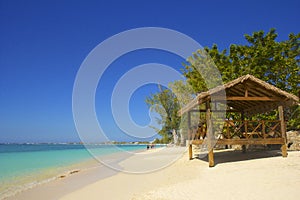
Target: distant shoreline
[(79, 143)]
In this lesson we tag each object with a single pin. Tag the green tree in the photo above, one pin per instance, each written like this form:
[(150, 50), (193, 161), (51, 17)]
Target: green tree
[(262, 56), (183, 91), (201, 71), (267, 59), (293, 118), (166, 104), (185, 94)]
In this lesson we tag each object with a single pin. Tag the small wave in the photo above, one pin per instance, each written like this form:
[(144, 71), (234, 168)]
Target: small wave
[(14, 190)]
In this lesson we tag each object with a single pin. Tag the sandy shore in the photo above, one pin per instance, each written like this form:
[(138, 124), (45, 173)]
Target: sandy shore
[(254, 175)]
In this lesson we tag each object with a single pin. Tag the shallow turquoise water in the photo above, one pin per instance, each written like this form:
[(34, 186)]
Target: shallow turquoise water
[(29, 164)]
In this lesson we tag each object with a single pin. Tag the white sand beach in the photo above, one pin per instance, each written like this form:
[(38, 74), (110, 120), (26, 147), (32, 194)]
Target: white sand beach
[(254, 175)]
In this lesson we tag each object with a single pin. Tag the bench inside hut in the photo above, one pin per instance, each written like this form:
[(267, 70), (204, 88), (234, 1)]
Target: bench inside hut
[(245, 97)]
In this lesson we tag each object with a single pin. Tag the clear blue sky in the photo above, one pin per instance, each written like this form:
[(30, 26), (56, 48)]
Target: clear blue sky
[(43, 44)]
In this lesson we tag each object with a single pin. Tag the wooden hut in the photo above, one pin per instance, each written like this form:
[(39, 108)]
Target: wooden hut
[(245, 96)]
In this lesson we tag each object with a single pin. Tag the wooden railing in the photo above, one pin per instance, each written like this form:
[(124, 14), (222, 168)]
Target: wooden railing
[(238, 129), (252, 129)]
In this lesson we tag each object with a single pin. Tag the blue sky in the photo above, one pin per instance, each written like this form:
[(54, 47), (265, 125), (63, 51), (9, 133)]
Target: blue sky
[(43, 44)]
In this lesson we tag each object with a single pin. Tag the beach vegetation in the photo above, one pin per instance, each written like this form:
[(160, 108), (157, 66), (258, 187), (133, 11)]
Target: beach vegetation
[(166, 104), (276, 62)]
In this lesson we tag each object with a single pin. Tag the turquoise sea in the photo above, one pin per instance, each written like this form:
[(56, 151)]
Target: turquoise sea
[(23, 166)]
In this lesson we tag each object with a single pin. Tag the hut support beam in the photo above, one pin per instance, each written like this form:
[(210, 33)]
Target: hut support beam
[(211, 161), (190, 151), (189, 127), (244, 149), (190, 137), (210, 136), (283, 133)]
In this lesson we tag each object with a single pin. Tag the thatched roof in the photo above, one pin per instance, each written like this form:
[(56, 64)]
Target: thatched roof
[(248, 94)]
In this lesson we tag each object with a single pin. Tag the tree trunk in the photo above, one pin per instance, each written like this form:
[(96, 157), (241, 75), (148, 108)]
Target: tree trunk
[(181, 137), (175, 137)]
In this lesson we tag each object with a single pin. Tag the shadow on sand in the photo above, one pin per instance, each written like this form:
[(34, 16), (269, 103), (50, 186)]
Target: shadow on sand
[(227, 156)]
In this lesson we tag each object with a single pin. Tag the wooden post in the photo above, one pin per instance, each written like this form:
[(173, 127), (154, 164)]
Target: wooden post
[(246, 128), (189, 137), (210, 136), (190, 152), (263, 129), (189, 125), (246, 90), (243, 127), (284, 150), (211, 161), (283, 133)]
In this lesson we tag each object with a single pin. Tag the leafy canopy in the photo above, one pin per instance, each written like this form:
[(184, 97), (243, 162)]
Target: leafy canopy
[(262, 56), (166, 104), (267, 59)]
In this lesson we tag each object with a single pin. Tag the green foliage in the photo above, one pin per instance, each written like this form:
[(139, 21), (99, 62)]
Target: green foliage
[(264, 57), (267, 59), (201, 72), (293, 118), (157, 141), (185, 94), (183, 91), (166, 104)]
